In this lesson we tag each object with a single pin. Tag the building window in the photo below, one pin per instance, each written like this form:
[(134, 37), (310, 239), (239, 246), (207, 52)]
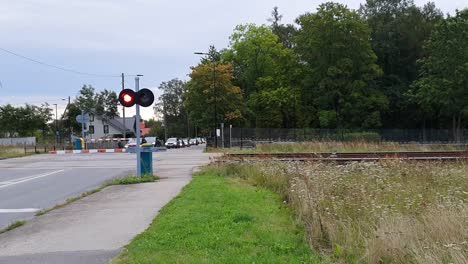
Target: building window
[(106, 129), (91, 130), (91, 118)]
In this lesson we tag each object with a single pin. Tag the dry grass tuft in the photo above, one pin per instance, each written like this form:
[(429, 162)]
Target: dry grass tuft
[(388, 212), (11, 152), (356, 146)]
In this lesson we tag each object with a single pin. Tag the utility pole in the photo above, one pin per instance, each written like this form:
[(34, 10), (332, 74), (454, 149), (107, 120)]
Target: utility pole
[(125, 128), (165, 120), (82, 125), (69, 122)]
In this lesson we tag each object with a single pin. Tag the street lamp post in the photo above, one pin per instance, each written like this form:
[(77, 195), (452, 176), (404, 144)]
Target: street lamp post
[(69, 118), (215, 121), (56, 123)]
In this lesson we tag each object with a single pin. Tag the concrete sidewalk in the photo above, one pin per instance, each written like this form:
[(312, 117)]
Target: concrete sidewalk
[(95, 228)]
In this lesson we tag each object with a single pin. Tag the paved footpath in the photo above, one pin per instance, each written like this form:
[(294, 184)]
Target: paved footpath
[(95, 228)]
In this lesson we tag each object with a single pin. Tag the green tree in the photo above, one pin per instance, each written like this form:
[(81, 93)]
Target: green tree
[(171, 107), (275, 108), (399, 29), (103, 103), (260, 60), (284, 32), (24, 120), (156, 128), (444, 73), (8, 120), (340, 68), (86, 99), (202, 96), (263, 65), (106, 104)]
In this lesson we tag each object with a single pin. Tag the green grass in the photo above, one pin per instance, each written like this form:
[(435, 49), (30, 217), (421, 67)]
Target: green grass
[(221, 220), (133, 180), (12, 226)]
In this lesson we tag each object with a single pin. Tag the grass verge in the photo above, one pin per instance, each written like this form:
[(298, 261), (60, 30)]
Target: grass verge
[(221, 220), (119, 181), (12, 226), (12, 152), (387, 212)]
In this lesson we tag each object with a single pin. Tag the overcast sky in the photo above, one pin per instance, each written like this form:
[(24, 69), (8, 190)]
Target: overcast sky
[(155, 38)]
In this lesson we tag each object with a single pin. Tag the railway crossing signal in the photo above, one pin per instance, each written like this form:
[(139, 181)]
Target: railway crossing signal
[(129, 98)]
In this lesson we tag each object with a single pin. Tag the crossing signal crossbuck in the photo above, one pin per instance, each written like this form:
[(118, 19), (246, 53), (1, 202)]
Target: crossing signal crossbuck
[(143, 97)]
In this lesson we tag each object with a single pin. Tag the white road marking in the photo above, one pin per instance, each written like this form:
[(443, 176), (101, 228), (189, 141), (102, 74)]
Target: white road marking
[(21, 180), (72, 167), (24, 210)]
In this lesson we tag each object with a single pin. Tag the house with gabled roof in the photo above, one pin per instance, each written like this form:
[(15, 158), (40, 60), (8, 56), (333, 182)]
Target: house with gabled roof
[(100, 127)]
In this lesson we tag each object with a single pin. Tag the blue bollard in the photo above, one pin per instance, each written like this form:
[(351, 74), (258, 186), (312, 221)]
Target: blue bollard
[(78, 144), (146, 161)]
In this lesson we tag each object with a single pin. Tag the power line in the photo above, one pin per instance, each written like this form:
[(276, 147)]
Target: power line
[(57, 67)]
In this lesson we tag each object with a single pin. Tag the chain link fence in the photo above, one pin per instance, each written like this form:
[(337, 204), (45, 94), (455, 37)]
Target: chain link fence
[(250, 137)]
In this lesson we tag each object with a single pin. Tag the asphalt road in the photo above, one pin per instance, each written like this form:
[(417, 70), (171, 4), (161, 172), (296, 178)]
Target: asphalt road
[(31, 184), (92, 230)]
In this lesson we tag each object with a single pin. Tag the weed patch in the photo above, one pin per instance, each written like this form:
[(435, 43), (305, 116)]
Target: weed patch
[(387, 212), (13, 226)]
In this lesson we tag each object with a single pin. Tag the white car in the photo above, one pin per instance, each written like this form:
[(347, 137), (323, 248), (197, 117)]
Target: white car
[(172, 143)]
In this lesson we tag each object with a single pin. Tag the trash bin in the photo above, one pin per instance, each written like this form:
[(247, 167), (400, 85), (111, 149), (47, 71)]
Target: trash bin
[(78, 144), (146, 159)]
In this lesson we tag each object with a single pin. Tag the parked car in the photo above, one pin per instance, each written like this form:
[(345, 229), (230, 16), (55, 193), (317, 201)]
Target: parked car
[(186, 142), (181, 143), (173, 143), (131, 143), (194, 141), (155, 141)]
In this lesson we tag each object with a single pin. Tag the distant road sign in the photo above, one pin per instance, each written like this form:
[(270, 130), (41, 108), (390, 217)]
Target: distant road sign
[(84, 119)]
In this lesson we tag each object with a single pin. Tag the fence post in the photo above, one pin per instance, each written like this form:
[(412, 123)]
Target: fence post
[(242, 138)]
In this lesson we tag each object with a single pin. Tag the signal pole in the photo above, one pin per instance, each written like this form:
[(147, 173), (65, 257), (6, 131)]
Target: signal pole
[(137, 127), (123, 110)]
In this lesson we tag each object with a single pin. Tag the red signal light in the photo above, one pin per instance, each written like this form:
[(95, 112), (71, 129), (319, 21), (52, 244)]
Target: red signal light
[(127, 98)]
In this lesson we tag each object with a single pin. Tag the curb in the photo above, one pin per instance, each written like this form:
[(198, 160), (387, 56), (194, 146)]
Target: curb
[(87, 151)]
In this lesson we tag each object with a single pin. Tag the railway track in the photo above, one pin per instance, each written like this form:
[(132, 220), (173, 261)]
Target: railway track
[(348, 157)]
